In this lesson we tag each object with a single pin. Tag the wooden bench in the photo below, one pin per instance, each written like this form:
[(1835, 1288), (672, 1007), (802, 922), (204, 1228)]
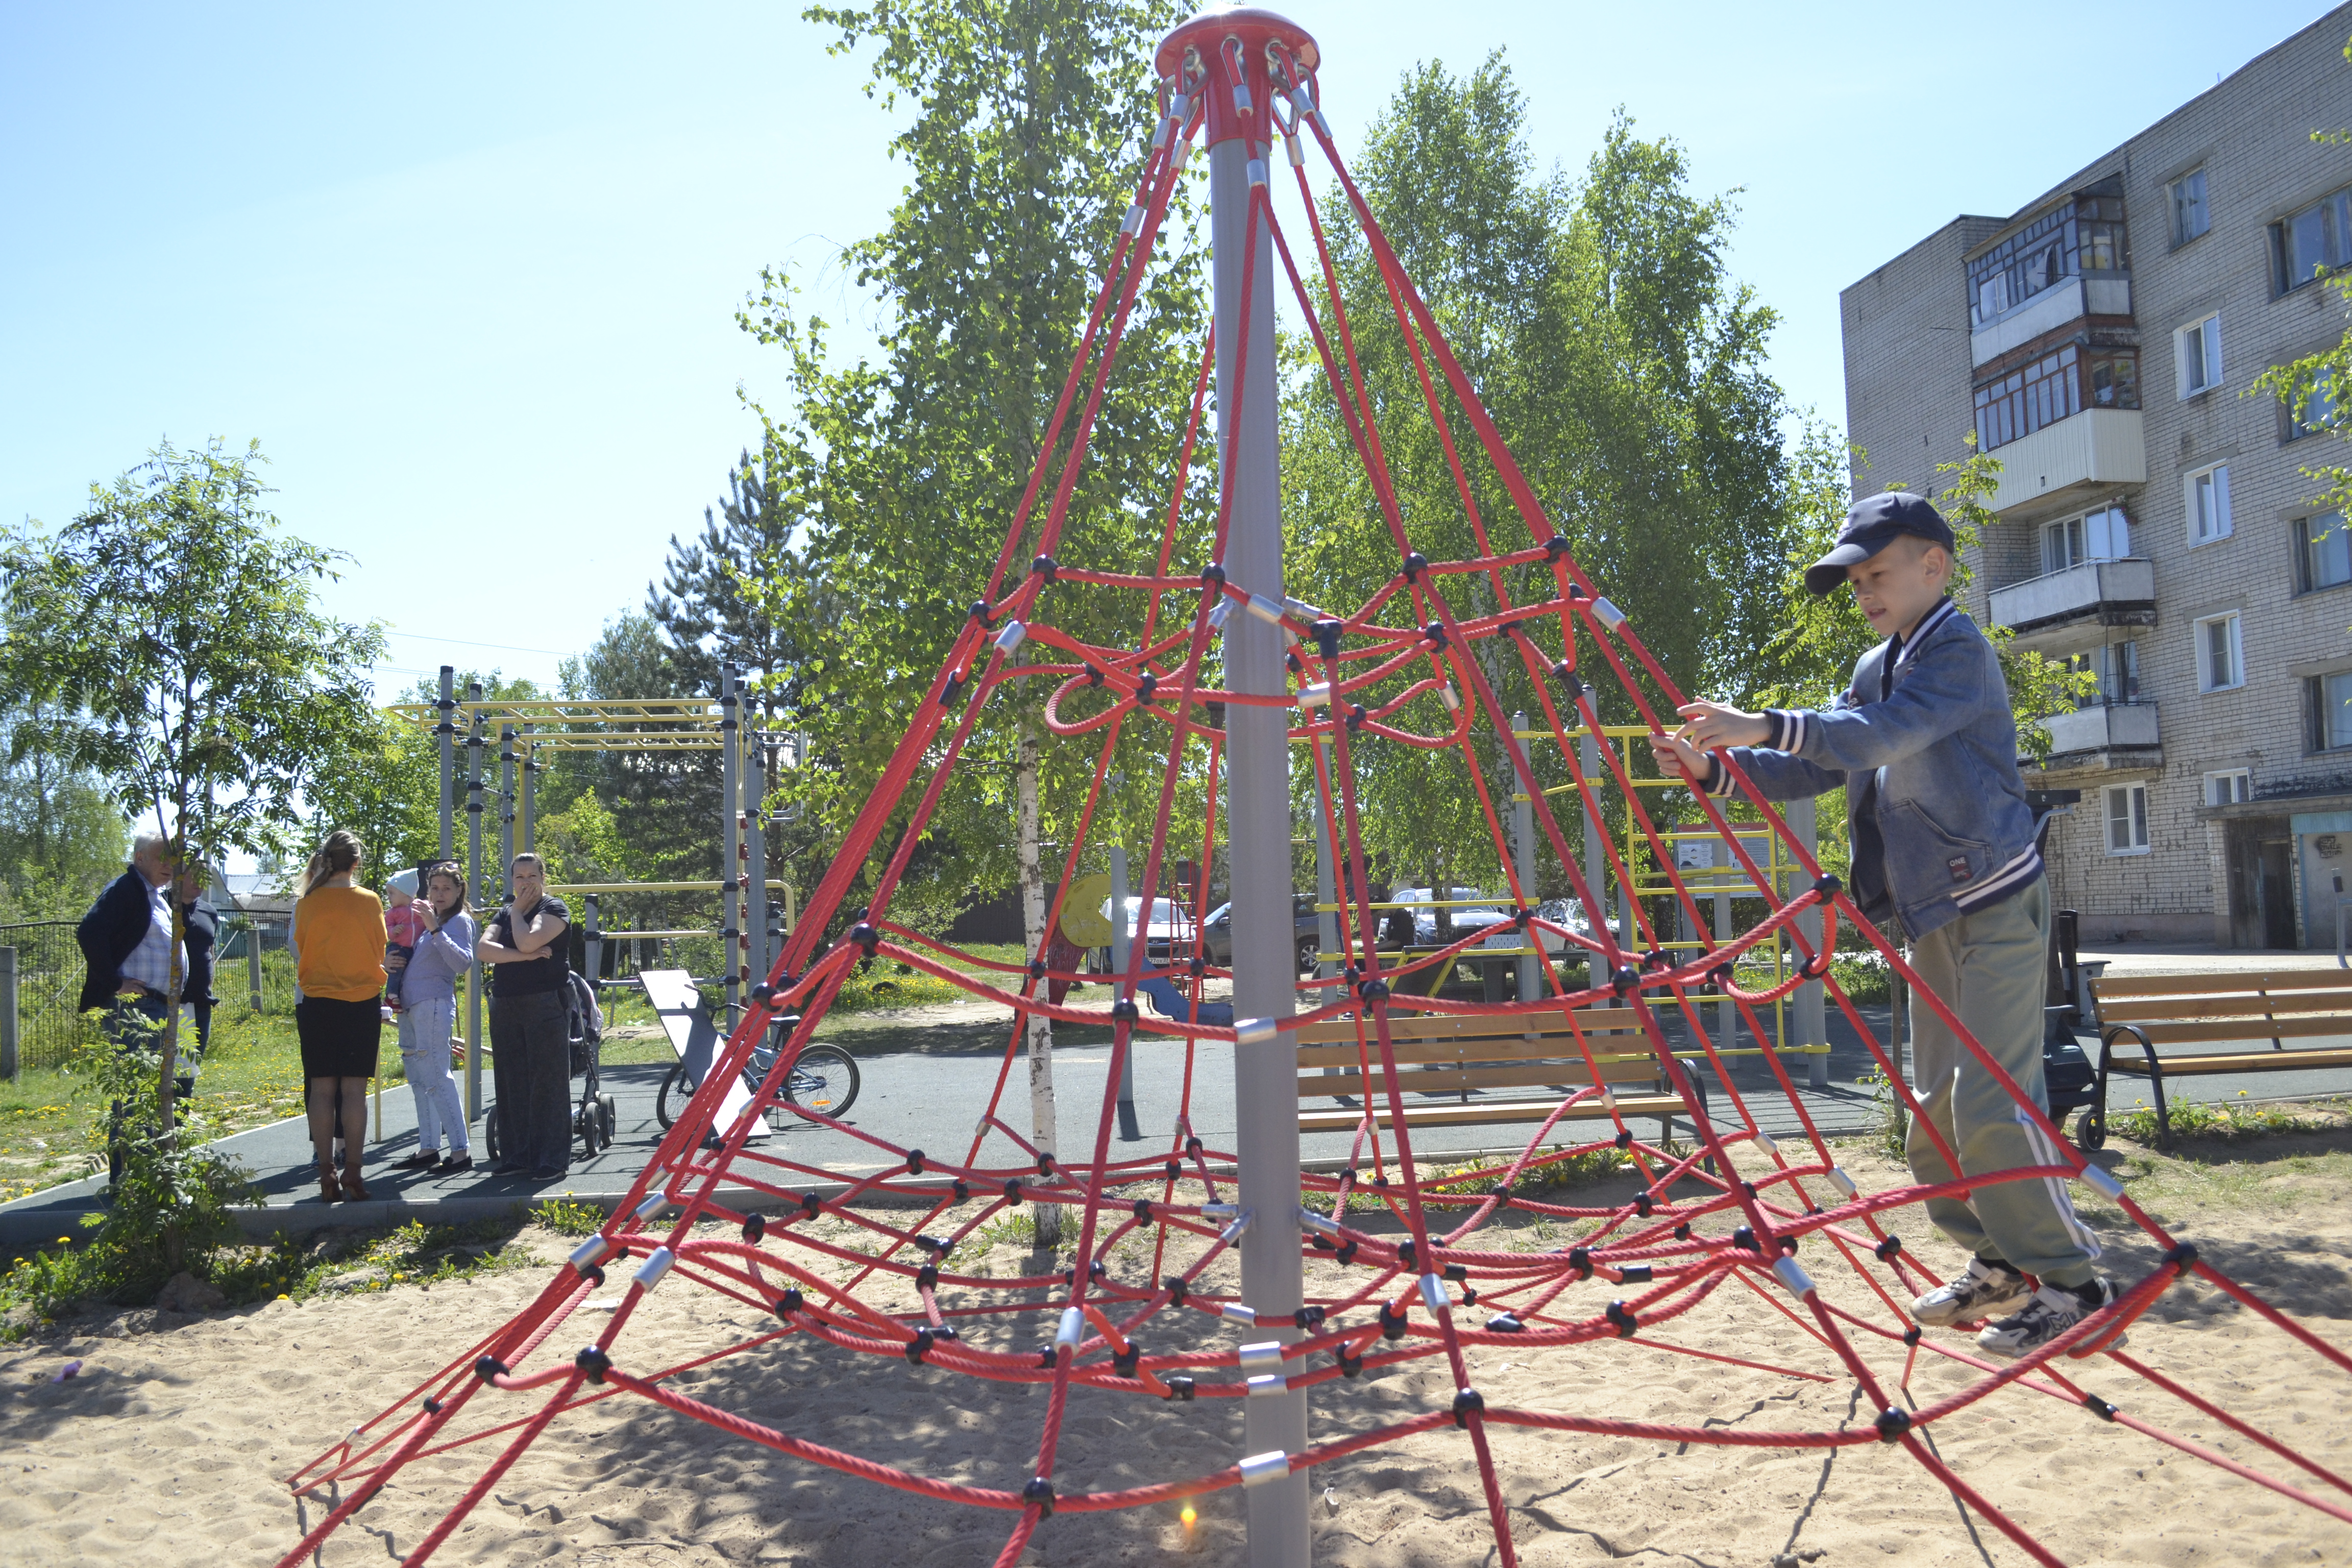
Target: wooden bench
[(2142, 1019), (1470, 1071)]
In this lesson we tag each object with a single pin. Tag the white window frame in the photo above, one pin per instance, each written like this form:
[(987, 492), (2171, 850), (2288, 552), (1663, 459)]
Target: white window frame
[(2205, 682), (2180, 207), (2219, 474), (2206, 330), (2135, 822), (2237, 786)]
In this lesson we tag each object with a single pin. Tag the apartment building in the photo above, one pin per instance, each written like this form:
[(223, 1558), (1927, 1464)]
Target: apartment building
[(2155, 523)]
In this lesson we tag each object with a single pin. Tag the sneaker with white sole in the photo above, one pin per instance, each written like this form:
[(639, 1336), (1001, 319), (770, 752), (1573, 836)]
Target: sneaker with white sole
[(1984, 1290), (2052, 1311)]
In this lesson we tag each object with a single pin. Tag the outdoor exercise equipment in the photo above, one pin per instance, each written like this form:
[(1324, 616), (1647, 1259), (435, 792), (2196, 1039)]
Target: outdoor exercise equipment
[(1729, 1218)]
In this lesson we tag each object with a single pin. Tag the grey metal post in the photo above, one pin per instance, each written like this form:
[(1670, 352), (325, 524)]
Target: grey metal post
[(1806, 1013), (253, 961), (755, 857), (446, 733), (730, 865), (595, 938), (8, 1016), (528, 835), (1121, 943), (473, 876), (507, 804), (1523, 844), (1327, 887), (1727, 1014), (1266, 1074), (1587, 761)]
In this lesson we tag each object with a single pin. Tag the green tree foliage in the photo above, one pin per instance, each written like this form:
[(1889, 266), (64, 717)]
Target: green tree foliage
[(385, 784), (169, 640), (61, 834), (1623, 367), (701, 609), (1030, 122)]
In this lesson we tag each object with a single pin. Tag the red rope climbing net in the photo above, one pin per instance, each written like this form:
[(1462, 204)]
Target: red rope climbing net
[(1734, 1211)]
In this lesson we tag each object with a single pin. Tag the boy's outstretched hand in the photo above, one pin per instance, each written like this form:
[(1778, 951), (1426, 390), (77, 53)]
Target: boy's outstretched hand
[(1708, 725)]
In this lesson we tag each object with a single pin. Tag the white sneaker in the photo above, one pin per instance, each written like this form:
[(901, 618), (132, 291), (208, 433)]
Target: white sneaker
[(1984, 1290), (2052, 1311)]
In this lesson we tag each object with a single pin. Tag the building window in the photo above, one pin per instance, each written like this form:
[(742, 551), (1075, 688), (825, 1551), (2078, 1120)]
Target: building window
[(2232, 786), (2327, 700), (2083, 235), (2326, 551), (2127, 819), (2318, 413), (2114, 377), (2319, 236), (2189, 217), (2206, 492), (2221, 658), (2115, 666), (2196, 350), (2102, 535)]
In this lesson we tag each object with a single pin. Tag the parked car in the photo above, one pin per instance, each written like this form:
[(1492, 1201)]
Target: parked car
[(1473, 916), (1166, 931), (1305, 933)]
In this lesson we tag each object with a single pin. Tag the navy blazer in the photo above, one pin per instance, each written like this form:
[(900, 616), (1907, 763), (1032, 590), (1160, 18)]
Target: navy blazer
[(117, 923)]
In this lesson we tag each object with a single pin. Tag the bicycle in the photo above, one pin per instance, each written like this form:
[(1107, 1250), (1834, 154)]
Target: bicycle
[(824, 1079)]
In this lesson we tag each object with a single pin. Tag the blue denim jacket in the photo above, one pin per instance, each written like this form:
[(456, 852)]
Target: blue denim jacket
[(1924, 740)]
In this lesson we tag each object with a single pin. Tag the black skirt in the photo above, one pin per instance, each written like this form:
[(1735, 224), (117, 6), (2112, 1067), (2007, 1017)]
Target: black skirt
[(339, 1039)]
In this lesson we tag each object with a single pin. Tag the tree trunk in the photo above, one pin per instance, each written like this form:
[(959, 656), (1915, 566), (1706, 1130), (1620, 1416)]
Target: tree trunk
[(1039, 1028)]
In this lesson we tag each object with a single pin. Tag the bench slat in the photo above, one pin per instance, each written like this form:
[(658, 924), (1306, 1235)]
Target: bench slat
[(1512, 1049), (2123, 988), (2195, 1030), (1448, 1080), (1447, 1026), (2199, 1062), (2286, 1006), (1346, 1120)]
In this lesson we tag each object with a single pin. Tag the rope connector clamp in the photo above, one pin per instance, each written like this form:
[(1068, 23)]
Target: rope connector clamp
[(1466, 1400), (1892, 1424)]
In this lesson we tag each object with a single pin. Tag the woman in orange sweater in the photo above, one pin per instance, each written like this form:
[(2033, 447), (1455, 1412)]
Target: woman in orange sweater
[(339, 935)]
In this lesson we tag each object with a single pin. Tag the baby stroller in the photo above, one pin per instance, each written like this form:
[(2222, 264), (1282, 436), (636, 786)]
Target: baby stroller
[(593, 1118)]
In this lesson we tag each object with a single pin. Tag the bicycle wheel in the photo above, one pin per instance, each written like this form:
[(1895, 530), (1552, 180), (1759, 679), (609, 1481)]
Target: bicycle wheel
[(825, 1080), (673, 1083)]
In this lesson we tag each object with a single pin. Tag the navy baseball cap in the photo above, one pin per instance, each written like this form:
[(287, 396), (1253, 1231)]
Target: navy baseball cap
[(1871, 527)]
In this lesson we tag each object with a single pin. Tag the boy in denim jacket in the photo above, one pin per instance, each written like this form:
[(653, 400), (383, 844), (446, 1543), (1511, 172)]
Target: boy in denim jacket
[(1924, 740)]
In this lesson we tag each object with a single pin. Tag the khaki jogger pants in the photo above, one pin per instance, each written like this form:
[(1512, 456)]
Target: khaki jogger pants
[(1989, 969)]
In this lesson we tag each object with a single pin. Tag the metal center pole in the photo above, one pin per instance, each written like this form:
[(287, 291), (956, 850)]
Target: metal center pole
[(1129, 1128), (758, 959), (730, 865), (474, 873), (1265, 1074)]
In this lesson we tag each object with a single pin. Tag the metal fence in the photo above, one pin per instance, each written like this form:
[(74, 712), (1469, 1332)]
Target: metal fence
[(49, 984)]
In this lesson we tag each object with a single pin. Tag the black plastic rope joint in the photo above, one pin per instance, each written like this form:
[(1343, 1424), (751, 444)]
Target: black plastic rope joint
[(811, 1205), (1623, 1316), (1643, 1204), (1045, 566), (1178, 1288), (1145, 686), (1744, 1237), (1892, 1424), (1212, 576), (1814, 967), (1044, 1165), (1037, 969), (1505, 1323), (1575, 590), (864, 936), (755, 1226), (1748, 1187), (1291, 660), (1093, 675), (914, 1162), (1720, 978), (926, 1277), (1826, 886), (1040, 1491), (1555, 547), (1408, 1256), (1373, 990), (764, 993), (919, 1347), (1624, 978), (1682, 1231), (1415, 563), (980, 611), (1046, 1356), (1143, 1210), (2182, 1255), (1356, 716), (1124, 1362), (1634, 1274), (1392, 1321), (1520, 917), (1511, 629), (593, 1364), (1503, 1196), (933, 1244), (1327, 636), (432, 1405), (1887, 1249), (1198, 967), (1013, 1191), (1457, 1272), (790, 1301), (1580, 1260), (594, 1275), (1174, 1168), (1350, 1366), (1180, 1388), (1467, 1400), (1309, 1318), (1624, 1139), (490, 1367), (1436, 633), (1347, 1253), (948, 692), (2099, 1407), (1911, 1335), (1788, 1244), (1658, 958), (1124, 1011), (1563, 673)]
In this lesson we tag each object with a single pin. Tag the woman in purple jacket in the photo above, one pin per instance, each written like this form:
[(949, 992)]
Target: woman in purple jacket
[(429, 1017)]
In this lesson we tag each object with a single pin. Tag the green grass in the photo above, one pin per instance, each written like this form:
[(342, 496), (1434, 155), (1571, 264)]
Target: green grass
[(568, 1218), (2230, 1120)]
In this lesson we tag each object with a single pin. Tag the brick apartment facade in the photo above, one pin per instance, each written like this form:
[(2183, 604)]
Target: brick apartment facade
[(2155, 523)]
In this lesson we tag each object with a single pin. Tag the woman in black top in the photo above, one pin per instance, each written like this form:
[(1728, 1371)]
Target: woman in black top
[(531, 1055)]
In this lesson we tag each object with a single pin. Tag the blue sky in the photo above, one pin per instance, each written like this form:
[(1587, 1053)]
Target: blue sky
[(469, 273)]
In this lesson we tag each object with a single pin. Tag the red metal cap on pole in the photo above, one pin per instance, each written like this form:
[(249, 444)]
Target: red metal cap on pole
[(1225, 56)]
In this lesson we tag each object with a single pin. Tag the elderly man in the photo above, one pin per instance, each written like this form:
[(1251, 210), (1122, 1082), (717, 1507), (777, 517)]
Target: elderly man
[(126, 942)]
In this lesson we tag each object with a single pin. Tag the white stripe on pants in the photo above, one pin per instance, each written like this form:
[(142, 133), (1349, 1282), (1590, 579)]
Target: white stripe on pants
[(425, 1029)]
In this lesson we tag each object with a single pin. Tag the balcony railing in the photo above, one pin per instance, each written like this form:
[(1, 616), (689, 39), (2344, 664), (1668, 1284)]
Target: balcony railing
[(2113, 735), (2087, 593), (2096, 446)]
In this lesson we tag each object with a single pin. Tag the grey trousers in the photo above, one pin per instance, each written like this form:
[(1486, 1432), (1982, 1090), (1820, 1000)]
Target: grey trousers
[(1989, 969)]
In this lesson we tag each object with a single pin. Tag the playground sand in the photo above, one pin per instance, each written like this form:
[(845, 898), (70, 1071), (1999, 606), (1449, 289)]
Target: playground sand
[(173, 1443)]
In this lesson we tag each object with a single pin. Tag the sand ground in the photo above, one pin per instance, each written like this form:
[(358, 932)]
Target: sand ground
[(173, 1443)]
